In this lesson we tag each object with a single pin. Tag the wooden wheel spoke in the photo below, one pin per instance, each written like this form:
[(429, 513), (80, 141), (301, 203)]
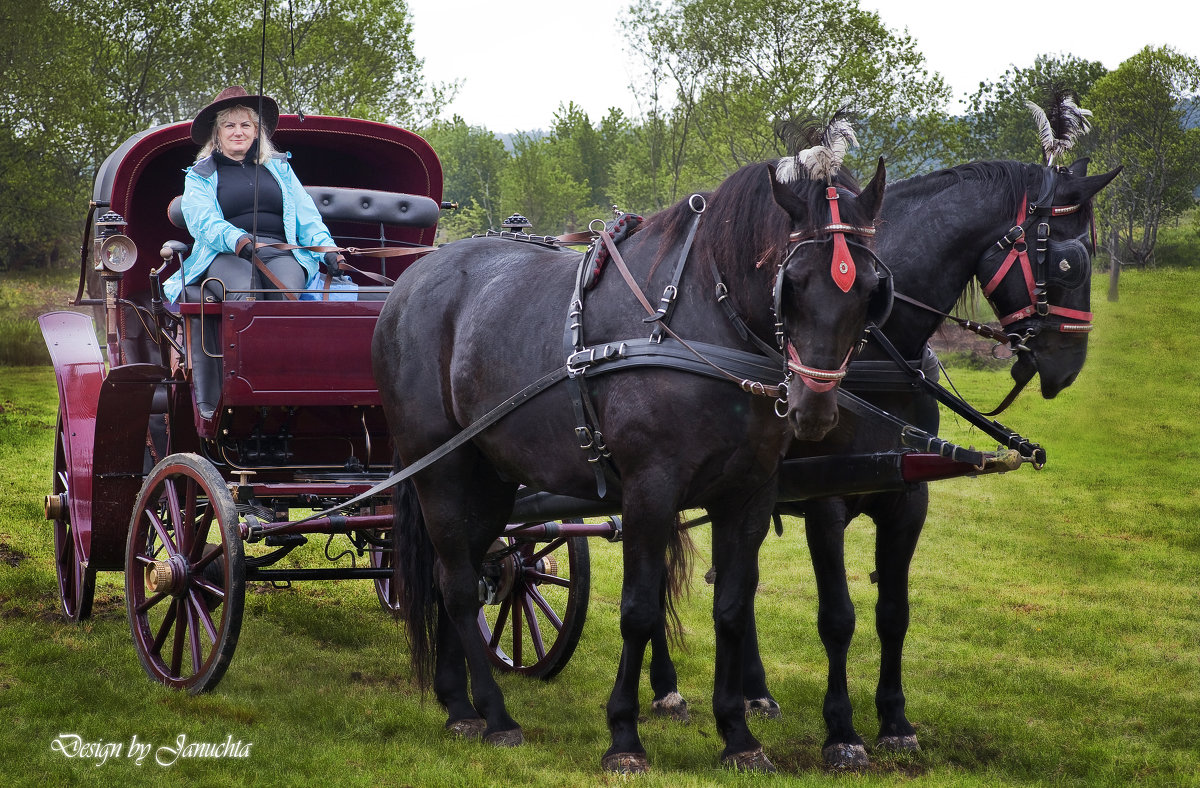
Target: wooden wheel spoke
[(161, 530), (548, 549), (501, 620), (164, 629), (544, 606), (207, 587), (150, 602), (196, 548), (202, 613), (180, 633), (535, 629), (517, 635), (186, 527), (198, 566), (550, 580), (193, 630)]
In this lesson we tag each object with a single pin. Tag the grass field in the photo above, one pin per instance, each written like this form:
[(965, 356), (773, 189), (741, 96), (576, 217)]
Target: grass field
[(1055, 636)]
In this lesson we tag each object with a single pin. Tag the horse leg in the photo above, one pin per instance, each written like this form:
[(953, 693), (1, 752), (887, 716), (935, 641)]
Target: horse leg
[(824, 528), (738, 532), (450, 681), (649, 524), (663, 678), (897, 527), (460, 502), (759, 701)]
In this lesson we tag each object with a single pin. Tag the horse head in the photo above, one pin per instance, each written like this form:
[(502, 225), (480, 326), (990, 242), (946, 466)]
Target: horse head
[(1038, 277), (828, 285)]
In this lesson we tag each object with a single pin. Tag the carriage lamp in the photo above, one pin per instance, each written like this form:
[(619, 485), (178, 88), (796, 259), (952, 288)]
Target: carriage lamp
[(115, 252), (517, 223)]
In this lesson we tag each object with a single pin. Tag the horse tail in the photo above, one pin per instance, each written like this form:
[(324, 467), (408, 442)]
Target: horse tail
[(680, 549), (418, 595)]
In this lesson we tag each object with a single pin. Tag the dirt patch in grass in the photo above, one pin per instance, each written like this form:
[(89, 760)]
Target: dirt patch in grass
[(9, 554)]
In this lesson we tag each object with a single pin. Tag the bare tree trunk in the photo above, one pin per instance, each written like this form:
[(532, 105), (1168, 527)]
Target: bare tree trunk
[(1114, 267)]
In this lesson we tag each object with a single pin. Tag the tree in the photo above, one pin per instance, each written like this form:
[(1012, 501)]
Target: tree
[(1146, 115), (999, 123), (739, 65), (472, 160), (536, 185), (97, 72)]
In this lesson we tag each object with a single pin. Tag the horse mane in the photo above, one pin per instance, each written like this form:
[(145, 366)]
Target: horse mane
[(1006, 175), (1005, 179), (743, 223)]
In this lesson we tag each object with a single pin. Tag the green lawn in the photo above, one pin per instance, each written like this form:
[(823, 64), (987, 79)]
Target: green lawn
[(1055, 635)]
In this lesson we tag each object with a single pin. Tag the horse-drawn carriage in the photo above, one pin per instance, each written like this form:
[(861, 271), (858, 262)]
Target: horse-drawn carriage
[(191, 508)]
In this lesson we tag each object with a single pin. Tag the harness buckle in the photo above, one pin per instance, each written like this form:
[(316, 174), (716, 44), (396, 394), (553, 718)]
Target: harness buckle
[(579, 361), (664, 304)]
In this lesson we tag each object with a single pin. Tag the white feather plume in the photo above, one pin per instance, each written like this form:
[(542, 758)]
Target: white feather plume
[(1057, 136)]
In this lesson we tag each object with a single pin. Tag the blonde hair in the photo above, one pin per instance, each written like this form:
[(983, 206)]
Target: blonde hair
[(265, 149)]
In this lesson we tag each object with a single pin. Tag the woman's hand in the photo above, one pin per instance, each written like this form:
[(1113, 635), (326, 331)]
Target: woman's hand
[(245, 248)]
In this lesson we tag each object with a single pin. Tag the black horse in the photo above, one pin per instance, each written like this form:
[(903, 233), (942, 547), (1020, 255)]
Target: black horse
[(937, 233), (473, 322)]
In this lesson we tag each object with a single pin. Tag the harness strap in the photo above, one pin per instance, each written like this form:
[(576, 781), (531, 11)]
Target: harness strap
[(667, 302), (1018, 248), (753, 387), (1031, 451), (262, 269), (468, 432)]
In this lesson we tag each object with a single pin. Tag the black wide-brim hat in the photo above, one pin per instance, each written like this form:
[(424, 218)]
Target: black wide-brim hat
[(235, 96)]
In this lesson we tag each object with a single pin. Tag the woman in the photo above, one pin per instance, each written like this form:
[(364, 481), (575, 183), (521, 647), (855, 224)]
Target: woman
[(241, 191)]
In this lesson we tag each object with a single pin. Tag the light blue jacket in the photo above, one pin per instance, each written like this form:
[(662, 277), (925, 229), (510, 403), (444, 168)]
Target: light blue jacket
[(213, 235)]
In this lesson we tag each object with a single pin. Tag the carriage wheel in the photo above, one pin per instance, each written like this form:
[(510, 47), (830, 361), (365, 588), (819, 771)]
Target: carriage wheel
[(541, 597), (76, 582), (185, 582), (387, 588)]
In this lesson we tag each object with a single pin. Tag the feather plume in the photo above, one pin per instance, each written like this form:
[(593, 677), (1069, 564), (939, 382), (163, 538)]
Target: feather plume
[(1060, 126), (819, 149)]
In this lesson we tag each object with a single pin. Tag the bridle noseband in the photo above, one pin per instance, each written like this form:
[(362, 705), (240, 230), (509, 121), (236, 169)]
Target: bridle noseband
[(843, 272), (1035, 271)]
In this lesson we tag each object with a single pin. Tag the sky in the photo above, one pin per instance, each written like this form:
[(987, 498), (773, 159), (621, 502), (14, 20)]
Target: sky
[(518, 61)]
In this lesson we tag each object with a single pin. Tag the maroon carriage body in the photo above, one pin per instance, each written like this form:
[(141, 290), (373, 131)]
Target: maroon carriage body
[(122, 409)]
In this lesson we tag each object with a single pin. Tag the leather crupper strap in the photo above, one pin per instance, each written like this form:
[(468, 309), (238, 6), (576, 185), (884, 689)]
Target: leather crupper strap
[(1034, 272)]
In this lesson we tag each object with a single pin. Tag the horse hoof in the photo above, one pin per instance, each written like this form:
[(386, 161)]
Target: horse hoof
[(846, 757), (671, 705), (898, 743), (752, 761), (626, 763), (509, 738), (470, 728), (763, 707)]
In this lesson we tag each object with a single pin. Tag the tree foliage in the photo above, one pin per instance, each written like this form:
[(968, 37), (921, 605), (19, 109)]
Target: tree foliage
[(83, 75), (1146, 115), (999, 125), (737, 66)]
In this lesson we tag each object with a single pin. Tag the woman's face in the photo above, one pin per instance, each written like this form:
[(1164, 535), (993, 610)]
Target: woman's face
[(236, 133)]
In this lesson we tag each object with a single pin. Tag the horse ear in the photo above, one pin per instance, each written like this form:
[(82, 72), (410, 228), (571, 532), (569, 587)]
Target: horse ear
[(870, 199), (1079, 167), (786, 198), (1086, 188)]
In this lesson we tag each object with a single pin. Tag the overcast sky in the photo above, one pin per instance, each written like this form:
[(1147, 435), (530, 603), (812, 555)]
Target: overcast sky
[(519, 60)]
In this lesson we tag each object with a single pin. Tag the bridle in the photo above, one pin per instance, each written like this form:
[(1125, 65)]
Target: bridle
[(843, 272), (1034, 269)]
